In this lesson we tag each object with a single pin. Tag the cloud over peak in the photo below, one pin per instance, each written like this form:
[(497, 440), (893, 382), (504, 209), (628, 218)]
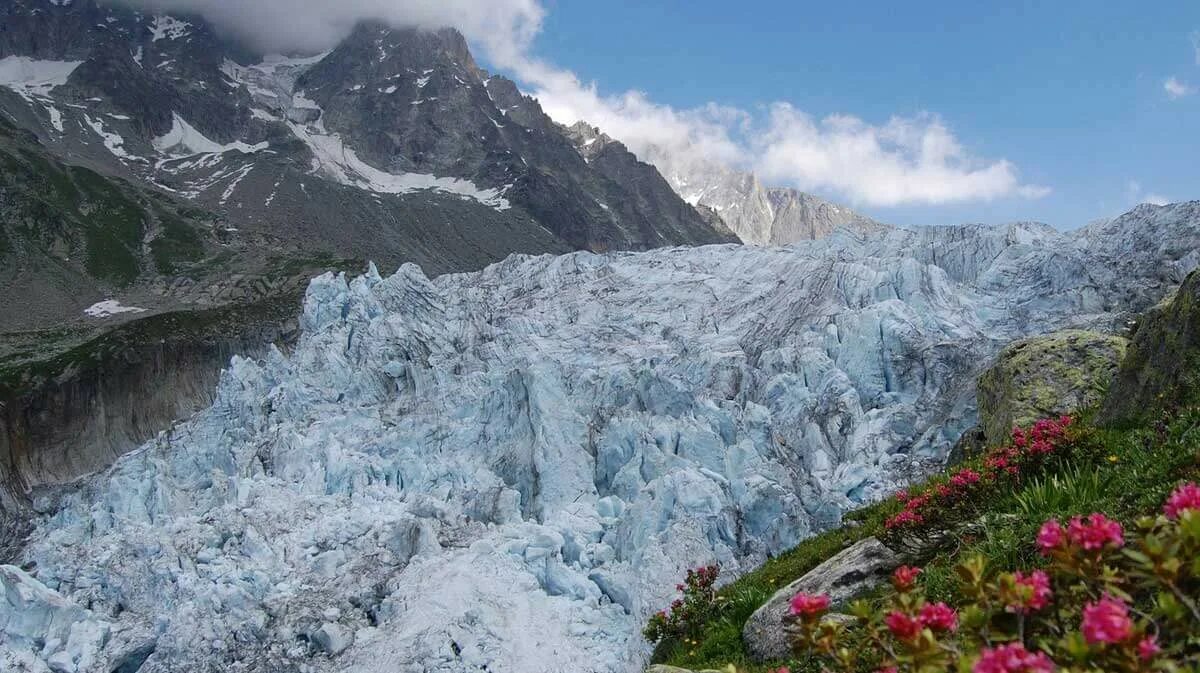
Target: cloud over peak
[(311, 26), (903, 161)]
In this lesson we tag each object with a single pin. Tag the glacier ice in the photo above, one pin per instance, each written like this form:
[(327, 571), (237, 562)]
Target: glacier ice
[(509, 469)]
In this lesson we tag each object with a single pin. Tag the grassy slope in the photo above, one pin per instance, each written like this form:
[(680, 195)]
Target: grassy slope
[(1124, 472)]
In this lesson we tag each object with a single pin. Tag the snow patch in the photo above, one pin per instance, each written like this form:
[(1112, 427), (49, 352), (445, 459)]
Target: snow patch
[(29, 77), (110, 307), (113, 141), (184, 140), (168, 28)]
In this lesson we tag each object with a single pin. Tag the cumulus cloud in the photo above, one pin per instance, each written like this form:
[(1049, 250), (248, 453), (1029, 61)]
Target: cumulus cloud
[(915, 160), (1176, 89)]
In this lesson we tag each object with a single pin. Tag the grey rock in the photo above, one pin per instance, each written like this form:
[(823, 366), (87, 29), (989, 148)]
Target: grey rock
[(854, 570), (333, 638), (1046, 376), (1161, 366)]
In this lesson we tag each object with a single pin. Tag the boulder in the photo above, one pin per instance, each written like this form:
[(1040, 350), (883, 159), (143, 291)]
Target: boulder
[(850, 572), (333, 638), (1162, 365), (1044, 376)]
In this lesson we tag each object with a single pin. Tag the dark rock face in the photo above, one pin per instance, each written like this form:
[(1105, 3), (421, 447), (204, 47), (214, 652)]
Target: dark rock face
[(79, 412), (1162, 365)]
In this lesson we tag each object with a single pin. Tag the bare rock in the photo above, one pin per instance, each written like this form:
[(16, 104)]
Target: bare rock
[(849, 573)]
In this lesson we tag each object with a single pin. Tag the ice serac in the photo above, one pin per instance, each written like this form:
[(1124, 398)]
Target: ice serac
[(508, 469)]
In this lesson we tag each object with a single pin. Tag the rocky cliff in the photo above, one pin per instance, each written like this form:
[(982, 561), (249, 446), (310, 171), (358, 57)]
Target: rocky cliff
[(1162, 367)]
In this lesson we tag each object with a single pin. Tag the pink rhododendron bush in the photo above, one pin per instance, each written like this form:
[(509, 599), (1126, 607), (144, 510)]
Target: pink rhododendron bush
[(696, 604), (1109, 598), (946, 503)]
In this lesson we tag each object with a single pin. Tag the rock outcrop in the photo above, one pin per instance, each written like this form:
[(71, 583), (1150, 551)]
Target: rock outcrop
[(1162, 365), (849, 573), (1044, 376), (76, 412)]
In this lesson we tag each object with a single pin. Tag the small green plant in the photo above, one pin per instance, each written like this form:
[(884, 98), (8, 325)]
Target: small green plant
[(1069, 492)]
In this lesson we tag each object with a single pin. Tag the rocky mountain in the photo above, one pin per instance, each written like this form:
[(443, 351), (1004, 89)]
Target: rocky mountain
[(759, 215), (396, 135), (507, 469), (154, 170)]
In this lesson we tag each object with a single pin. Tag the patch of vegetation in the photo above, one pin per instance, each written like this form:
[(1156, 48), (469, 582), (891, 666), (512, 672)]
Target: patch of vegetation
[(1125, 472), (177, 243), (19, 376)]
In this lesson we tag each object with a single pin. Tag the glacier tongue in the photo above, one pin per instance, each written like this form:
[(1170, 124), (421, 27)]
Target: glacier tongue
[(509, 469)]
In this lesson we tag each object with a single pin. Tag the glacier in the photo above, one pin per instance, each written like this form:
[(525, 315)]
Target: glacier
[(508, 470)]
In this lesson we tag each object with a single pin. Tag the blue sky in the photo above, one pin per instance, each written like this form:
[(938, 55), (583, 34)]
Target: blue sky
[(1071, 93)]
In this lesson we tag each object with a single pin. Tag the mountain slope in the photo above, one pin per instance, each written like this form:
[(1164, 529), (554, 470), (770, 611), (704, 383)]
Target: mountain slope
[(507, 469), (404, 116)]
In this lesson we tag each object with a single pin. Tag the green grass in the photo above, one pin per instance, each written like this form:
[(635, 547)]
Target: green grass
[(176, 244), (1122, 472)]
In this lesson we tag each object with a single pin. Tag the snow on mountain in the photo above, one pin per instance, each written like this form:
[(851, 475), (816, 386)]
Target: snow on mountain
[(508, 469)]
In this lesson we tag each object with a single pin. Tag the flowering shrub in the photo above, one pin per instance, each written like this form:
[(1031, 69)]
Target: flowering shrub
[(1109, 600), (958, 499), (696, 604)]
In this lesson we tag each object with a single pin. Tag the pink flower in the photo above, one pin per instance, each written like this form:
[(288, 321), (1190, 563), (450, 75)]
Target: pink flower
[(1186, 497), (939, 617), (889, 669), (1097, 532), (1148, 648), (809, 605), (902, 496), (904, 577), (902, 626), (1051, 536), (965, 477), (1037, 584), (781, 669), (1107, 621), (904, 518), (1012, 658)]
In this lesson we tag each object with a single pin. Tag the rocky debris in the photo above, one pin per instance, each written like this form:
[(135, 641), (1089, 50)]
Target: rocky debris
[(1162, 364), (333, 638), (849, 573), (1046, 376)]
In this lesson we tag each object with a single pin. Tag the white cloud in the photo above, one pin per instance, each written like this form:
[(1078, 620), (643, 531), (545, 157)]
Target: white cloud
[(913, 160), (1176, 89), (1135, 195)]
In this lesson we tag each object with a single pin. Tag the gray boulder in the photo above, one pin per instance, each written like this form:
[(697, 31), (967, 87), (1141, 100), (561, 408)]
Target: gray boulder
[(854, 570), (1046, 376)]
